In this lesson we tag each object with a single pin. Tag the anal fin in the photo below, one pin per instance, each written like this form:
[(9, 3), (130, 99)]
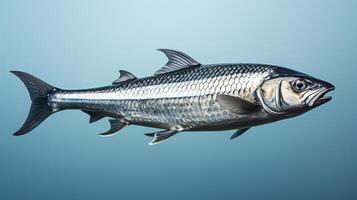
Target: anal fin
[(161, 136), (93, 116), (115, 126)]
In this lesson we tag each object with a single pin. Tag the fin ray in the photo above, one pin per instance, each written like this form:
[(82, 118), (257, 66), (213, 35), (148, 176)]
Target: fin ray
[(115, 126), (124, 76), (161, 136), (177, 60), (39, 110)]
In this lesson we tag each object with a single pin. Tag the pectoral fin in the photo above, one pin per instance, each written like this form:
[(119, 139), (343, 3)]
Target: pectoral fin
[(236, 104), (115, 126), (239, 132), (161, 136)]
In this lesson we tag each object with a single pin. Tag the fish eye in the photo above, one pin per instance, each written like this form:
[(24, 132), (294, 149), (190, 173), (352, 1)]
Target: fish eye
[(299, 85)]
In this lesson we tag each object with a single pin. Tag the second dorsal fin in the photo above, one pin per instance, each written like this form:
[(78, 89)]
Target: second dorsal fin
[(177, 60), (124, 76)]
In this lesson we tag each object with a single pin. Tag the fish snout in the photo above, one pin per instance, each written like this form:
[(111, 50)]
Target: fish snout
[(321, 97), (329, 86)]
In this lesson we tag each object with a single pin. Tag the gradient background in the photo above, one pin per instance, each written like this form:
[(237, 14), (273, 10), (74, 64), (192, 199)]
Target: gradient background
[(81, 44)]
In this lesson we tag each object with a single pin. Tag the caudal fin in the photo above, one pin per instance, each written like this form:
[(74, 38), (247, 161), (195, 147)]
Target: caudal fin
[(40, 109)]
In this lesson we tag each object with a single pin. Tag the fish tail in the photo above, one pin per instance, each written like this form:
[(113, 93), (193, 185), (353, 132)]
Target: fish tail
[(40, 109)]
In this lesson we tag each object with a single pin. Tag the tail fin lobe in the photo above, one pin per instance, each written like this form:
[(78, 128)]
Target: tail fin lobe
[(40, 109)]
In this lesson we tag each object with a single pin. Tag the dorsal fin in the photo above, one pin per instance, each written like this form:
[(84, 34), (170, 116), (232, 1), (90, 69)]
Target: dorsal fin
[(177, 60), (124, 76)]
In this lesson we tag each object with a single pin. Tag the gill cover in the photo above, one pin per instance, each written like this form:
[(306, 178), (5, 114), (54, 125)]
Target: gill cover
[(277, 106)]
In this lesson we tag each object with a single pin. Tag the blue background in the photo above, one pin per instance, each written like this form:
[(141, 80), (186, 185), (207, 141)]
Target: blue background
[(82, 44)]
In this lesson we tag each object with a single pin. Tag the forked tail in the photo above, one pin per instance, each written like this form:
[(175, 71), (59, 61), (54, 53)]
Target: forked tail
[(40, 109)]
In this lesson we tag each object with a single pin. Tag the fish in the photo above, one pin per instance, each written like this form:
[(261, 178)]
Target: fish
[(184, 96)]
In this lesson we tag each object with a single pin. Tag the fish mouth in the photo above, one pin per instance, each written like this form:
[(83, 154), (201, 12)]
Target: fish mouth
[(320, 98)]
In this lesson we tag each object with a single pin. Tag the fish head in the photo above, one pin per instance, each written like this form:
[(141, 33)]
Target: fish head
[(289, 93)]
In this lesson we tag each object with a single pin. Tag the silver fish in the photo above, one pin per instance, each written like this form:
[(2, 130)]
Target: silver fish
[(185, 95)]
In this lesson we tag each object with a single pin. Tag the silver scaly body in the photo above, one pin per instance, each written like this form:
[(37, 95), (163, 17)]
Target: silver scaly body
[(184, 99), (185, 95)]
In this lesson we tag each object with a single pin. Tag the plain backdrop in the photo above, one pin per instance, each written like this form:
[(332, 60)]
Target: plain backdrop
[(83, 44)]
